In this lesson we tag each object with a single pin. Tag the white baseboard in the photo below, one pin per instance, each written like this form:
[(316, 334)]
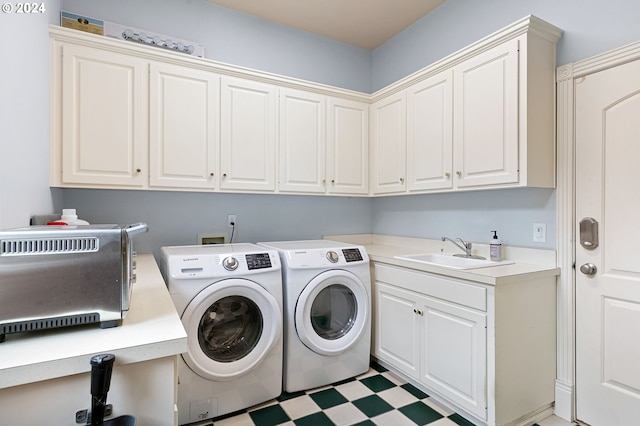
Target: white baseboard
[(564, 401)]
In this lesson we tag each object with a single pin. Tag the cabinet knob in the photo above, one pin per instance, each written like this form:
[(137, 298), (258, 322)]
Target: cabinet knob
[(138, 170), (458, 172), (401, 180), (211, 174), (224, 175), (447, 174), (333, 181)]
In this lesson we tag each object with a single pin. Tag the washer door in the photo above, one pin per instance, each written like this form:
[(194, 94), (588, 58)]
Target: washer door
[(231, 327), (332, 312)]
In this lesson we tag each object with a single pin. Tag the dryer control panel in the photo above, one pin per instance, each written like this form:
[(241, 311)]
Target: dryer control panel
[(319, 258), (352, 255)]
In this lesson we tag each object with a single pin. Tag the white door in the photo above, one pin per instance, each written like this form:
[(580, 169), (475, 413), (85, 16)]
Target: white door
[(608, 275), (248, 135), (455, 347), (183, 141), (104, 124), (485, 117), (397, 328), (389, 144), (302, 141), (347, 147), (429, 133)]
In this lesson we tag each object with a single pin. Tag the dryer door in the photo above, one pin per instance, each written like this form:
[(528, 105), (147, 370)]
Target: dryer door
[(332, 312), (231, 327)]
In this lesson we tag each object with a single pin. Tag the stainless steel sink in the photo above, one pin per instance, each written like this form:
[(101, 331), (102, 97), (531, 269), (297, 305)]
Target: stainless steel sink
[(451, 261)]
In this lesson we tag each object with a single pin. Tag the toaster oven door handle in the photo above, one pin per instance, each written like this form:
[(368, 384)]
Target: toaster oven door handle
[(136, 228)]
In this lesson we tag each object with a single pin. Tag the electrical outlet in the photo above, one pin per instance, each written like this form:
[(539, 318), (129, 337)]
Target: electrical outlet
[(231, 220), (540, 232)]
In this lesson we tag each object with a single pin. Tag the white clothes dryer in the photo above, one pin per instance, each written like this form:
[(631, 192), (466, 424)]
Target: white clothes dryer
[(229, 298), (327, 312)]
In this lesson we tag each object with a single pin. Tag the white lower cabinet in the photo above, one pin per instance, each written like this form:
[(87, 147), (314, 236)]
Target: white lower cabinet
[(493, 364)]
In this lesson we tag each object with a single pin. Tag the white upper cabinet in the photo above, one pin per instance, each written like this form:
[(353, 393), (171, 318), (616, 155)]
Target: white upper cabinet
[(347, 147), (248, 135), (302, 140), (429, 133), (389, 144), (102, 136), (183, 126), (131, 116), (481, 118), (485, 118)]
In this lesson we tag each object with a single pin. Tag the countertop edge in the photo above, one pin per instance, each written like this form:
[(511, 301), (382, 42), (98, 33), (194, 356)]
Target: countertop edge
[(151, 330)]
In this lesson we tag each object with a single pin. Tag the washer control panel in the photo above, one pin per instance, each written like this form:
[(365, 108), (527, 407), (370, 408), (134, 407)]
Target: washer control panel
[(332, 256), (230, 263), (191, 262), (258, 261)]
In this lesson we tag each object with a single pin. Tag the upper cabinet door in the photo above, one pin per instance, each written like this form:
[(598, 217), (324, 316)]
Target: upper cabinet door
[(104, 118), (486, 117), (248, 135), (348, 147), (302, 140), (389, 143), (184, 126), (429, 133)]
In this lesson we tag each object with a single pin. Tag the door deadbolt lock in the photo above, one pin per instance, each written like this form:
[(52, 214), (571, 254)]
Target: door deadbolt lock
[(589, 233), (588, 269)]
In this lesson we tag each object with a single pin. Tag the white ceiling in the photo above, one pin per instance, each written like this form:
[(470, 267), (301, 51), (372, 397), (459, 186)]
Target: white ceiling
[(362, 23)]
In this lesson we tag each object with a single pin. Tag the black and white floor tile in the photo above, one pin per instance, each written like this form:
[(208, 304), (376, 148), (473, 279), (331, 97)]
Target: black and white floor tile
[(377, 397)]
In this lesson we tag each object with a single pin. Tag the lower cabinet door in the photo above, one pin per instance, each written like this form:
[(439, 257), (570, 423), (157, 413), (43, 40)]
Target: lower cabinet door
[(455, 354), (397, 329)]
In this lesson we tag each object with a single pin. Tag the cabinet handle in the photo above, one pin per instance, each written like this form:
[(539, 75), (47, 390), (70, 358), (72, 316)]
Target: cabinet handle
[(333, 181), (458, 172), (447, 174), (211, 174), (224, 175), (138, 170), (401, 180)]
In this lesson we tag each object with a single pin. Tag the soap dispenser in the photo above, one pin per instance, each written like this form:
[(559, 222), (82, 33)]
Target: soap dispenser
[(495, 248)]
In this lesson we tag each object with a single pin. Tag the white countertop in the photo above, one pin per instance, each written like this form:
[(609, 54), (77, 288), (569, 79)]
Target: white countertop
[(152, 329), (529, 263)]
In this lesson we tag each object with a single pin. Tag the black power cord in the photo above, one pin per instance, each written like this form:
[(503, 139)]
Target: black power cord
[(233, 230)]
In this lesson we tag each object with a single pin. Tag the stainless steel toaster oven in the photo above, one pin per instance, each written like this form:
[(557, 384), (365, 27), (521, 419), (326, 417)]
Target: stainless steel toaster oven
[(58, 276)]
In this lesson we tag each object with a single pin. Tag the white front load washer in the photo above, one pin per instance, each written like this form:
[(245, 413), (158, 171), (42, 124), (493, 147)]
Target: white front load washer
[(229, 298), (327, 312)]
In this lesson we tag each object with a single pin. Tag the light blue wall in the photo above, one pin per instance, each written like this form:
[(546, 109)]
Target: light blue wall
[(240, 39), (176, 218), (471, 215), (590, 27), (24, 116)]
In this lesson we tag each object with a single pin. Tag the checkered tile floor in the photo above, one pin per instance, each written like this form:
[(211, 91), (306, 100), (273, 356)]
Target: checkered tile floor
[(374, 398)]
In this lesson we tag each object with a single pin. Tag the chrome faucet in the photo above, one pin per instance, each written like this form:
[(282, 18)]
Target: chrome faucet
[(466, 247)]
